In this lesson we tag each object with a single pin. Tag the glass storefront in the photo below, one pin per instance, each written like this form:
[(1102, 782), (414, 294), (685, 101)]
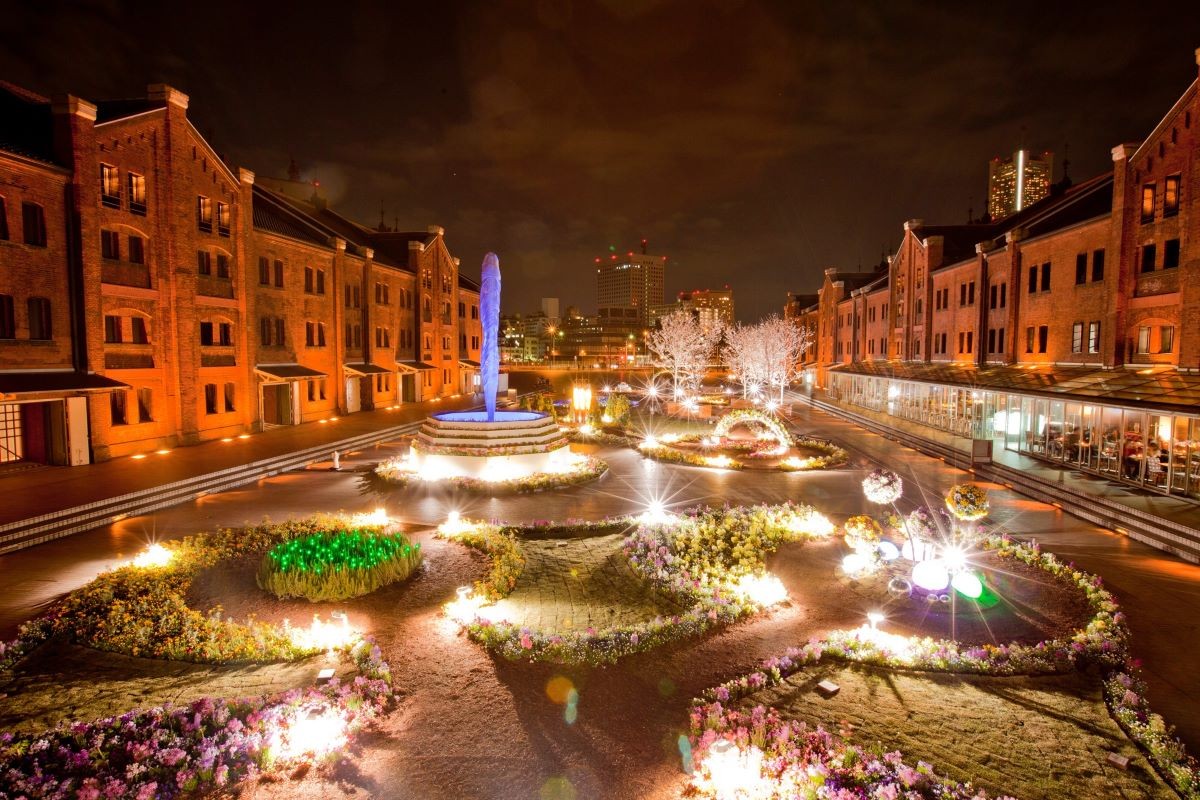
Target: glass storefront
[(1158, 452)]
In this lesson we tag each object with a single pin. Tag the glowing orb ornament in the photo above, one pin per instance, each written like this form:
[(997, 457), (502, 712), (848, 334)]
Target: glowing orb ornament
[(899, 587), (955, 559), (888, 551), (313, 733), (656, 513), (323, 635), (763, 590), (455, 525), (855, 563), (967, 584), (153, 556), (931, 575), (732, 772)]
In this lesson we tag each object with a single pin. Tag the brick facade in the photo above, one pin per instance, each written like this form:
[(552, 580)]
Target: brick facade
[(1103, 273), (213, 303)]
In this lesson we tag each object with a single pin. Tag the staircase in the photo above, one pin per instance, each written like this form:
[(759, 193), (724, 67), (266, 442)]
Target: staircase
[(65, 522)]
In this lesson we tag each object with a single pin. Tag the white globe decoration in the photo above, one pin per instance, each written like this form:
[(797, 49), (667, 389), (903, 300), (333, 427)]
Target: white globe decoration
[(931, 575), (854, 563), (967, 584), (888, 551)]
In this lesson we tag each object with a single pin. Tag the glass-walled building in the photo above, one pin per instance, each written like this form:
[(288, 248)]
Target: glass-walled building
[(1136, 426)]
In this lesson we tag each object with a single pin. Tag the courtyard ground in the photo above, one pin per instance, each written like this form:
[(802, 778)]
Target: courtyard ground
[(471, 726)]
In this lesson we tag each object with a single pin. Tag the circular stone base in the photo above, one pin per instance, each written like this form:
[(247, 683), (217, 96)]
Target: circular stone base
[(513, 444)]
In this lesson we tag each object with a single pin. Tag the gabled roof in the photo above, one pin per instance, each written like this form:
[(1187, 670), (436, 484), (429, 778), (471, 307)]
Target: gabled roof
[(1183, 100), (273, 216), (109, 110), (26, 124), (1062, 209), (856, 280)]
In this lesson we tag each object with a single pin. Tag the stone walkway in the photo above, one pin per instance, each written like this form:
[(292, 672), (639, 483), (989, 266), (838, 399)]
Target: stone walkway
[(61, 681), (573, 584), (1033, 738)]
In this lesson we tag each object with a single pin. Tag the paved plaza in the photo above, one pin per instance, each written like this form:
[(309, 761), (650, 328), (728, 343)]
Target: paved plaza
[(470, 725)]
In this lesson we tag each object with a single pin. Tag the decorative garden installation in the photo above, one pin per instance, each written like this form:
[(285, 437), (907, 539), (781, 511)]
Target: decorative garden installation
[(771, 449), (140, 610), (506, 450), (707, 566), (337, 565)]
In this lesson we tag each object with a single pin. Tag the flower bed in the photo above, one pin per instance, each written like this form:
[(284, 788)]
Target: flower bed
[(394, 472), (670, 455), (142, 611), (208, 744), (833, 456), (1103, 642), (337, 565), (597, 436), (783, 759), (706, 561), (202, 747)]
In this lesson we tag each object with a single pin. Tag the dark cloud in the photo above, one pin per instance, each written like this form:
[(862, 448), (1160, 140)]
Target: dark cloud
[(754, 142)]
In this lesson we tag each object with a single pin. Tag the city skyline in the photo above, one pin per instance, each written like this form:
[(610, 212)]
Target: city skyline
[(787, 145)]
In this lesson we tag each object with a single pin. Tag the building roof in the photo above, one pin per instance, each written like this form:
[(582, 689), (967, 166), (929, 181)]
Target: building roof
[(1156, 388), (367, 369), (109, 110), (1063, 208), (26, 124), (856, 280), (288, 372), (273, 216), (59, 383)]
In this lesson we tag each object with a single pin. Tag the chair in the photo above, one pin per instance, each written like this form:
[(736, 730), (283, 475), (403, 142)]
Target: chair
[(1155, 474)]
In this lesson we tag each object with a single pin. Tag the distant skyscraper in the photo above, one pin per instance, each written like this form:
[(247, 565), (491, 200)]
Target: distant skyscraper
[(711, 306), (550, 308), (1018, 182), (633, 282)]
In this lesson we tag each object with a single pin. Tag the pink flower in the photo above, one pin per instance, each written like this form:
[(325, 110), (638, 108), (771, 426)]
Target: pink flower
[(526, 642), (148, 791)]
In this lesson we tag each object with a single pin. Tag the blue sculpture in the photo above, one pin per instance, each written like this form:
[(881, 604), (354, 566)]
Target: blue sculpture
[(489, 302)]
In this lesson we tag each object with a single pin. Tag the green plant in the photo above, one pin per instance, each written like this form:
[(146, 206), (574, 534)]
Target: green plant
[(617, 409), (337, 565)]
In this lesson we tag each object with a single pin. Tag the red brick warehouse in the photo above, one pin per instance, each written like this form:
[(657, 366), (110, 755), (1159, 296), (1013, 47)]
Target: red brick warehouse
[(153, 296)]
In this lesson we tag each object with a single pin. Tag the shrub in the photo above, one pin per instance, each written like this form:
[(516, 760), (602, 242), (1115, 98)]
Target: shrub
[(337, 565), (617, 409)]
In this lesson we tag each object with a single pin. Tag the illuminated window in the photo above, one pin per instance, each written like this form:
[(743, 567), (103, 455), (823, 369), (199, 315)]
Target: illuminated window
[(137, 193), (1148, 191), (110, 186), (204, 213), (1171, 196)]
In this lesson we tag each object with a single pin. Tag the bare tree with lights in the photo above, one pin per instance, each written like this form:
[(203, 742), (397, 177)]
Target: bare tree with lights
[(743, 354), (783, 343), (683, 346)]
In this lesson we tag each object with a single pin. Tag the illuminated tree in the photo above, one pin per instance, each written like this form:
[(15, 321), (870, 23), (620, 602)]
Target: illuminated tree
[(683, 347)]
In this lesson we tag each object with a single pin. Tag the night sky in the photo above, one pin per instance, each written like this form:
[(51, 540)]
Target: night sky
[(753, 143)]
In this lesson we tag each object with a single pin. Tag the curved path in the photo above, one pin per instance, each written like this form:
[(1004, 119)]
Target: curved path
[(474, 727)]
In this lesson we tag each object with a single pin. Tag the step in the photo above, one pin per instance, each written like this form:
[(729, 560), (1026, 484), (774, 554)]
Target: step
[(19, 534)]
